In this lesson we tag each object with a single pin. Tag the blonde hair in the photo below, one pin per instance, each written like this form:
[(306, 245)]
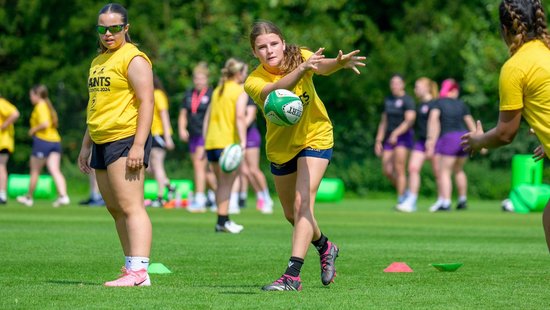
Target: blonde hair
[(42, 92), (232, 67), (201, 68), (432, 86)]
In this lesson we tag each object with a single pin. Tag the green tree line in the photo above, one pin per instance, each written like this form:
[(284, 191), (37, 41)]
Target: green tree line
[(53, 42)]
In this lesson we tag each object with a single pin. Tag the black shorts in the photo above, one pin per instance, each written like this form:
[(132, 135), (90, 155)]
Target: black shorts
[(291, 166), (5, 151), (158, 141), (105, 154)]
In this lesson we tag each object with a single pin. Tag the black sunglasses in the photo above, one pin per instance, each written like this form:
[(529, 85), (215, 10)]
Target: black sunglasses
[(112, 29)]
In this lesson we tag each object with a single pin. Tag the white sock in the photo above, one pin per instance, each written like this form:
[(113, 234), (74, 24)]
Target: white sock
[(412, 197), (200, 199), (3, 195), (136, 263), (446, 202), (267, 196), (234, 201), (462, 199), (260, 195), (243, 195)]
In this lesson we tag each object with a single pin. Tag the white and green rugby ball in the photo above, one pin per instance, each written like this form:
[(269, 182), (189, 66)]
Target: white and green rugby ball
[(283, 108), (231, 158)]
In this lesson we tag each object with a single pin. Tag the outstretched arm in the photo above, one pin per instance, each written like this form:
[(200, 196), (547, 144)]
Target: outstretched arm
[(328, 66)]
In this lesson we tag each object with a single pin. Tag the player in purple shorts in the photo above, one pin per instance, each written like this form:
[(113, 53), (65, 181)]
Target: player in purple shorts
[(394, 138), (449, 119), (426, 91), (190, 129), (250, 171)]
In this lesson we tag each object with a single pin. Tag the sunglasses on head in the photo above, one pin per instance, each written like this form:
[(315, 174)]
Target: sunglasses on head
[(112, 29)]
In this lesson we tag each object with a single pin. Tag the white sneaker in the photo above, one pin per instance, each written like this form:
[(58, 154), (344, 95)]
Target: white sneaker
[(439, 206), (234, 208), (25, 200), (61, 201), (408, 205), (230, 227), (196, 208), (267, 207)]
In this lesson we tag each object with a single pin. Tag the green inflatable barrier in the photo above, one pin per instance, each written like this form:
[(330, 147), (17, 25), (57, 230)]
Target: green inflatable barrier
[(526, 198), (525, 170), (330, 190), (18, 184), (183, 187)]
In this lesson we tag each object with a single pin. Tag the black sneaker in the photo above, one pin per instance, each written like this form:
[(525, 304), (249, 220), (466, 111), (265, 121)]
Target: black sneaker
[(85, 202), (440, 207), (328, 270), (3, 201), (285, 283), (461, 205)]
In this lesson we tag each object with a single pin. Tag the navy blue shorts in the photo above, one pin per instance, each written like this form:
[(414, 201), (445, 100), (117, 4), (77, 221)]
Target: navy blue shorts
[(42, 148), (214, 155), (291, 166), (107, 153)]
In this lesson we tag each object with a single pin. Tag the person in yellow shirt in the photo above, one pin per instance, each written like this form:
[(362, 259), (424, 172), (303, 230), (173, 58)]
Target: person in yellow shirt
[(225, 125), (46, 146), (119, 116), (8, 115), (161, 129), (524, 84), (299, 154)]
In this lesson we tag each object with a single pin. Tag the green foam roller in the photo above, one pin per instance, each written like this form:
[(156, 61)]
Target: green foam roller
[(525, 170), (18, 184), (527, 198), (330, 190), (183, 187)]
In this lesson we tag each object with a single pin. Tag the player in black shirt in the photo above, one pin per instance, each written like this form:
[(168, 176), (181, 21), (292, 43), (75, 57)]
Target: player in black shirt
[(449, 119), (394, 138)]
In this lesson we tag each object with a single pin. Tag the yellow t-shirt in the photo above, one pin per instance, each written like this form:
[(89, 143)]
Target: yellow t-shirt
[(113, 105), (222, 125), (6, 135), (40, 115), (161, 104), (314, 128), (525, 84)]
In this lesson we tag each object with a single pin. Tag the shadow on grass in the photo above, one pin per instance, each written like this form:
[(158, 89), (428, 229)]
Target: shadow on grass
[(238, 293), (71, 282)]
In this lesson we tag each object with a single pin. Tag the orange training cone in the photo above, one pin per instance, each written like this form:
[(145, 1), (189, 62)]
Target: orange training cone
[(398, 267)]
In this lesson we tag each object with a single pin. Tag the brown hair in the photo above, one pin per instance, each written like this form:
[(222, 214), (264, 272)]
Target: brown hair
[(119, 9), (232, 67), (292, 54), (42, 92), (525, 20)]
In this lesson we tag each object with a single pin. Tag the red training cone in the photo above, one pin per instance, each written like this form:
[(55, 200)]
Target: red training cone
[(398, 267)]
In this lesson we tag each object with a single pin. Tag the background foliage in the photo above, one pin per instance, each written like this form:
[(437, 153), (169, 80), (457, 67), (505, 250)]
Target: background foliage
[(53, 42)]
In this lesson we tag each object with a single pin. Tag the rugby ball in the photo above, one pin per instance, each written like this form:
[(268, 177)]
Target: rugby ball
[(231, 158), (283, 108)]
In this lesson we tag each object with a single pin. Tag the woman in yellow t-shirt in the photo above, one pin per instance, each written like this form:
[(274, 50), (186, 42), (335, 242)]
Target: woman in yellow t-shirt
[(46, 146), (299, 154), (224, 125), (119, 116), (524, 83), (8, 115), (161, 129)]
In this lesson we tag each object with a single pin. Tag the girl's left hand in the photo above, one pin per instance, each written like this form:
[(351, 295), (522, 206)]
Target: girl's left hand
[(135, 157), (539, 153), (350, 60)]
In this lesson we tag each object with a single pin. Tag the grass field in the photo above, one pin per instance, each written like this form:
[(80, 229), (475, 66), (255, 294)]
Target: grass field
[(59, 258)]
